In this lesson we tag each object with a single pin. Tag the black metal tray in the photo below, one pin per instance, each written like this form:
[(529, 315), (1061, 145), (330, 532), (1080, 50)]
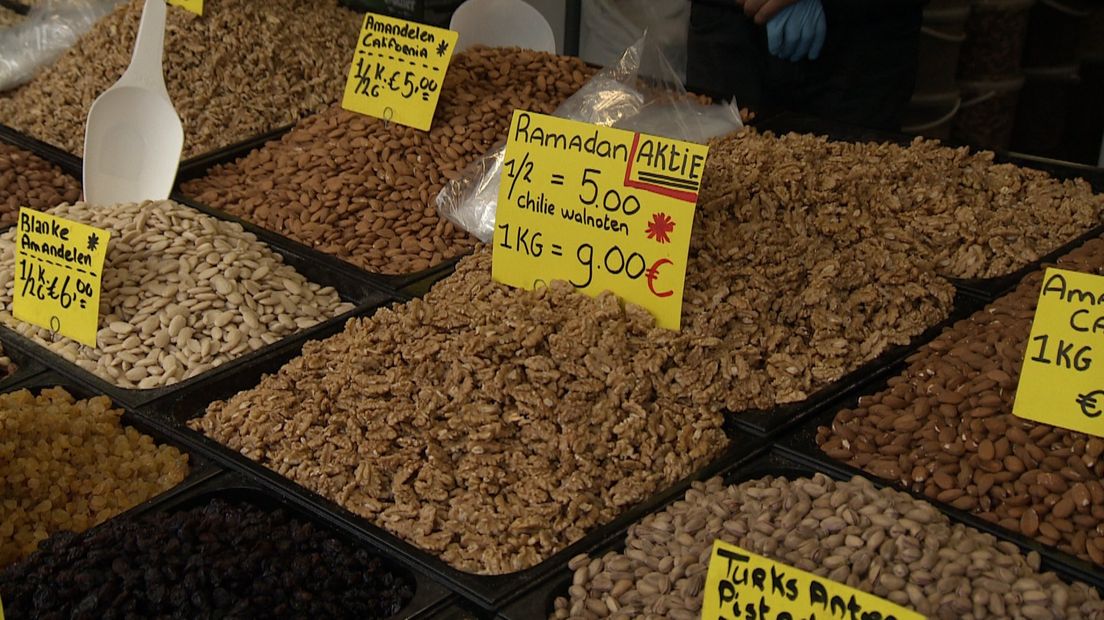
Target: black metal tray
[(200, 469), (989, 288), (70, 164), (365, 298), (776, 420), (235, 488), (486, 591), (26, 366), (802, 445), (353, 285), (539, 602), (199, 166), (17, 7)]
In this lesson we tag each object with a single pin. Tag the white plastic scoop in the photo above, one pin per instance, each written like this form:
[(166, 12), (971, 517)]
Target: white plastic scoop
[(134, 137)]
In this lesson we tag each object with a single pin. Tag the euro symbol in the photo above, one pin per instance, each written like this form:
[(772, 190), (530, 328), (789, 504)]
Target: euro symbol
[(1089, 404), (653, 273)]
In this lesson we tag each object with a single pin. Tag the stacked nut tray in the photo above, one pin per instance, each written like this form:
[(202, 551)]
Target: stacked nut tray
[(310, 397)]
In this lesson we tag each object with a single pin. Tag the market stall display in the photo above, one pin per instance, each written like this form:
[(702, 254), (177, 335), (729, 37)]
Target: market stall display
[(475, 436), (363, 190), (877, 540), (27, 180), (182, 292), (945, 427), (69, 464), (241, 69), (218, 559)]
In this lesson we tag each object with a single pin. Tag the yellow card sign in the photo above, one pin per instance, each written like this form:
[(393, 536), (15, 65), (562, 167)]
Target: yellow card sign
[(398, 69), (741, 584), (1058, 385), (59, 264), (604, 209), (195, 6)]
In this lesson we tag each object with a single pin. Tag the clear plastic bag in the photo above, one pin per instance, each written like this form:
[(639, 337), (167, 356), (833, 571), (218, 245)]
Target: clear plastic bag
[(614, 97), (49, 29)]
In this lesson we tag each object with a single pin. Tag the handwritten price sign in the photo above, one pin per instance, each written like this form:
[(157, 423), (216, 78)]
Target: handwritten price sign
[(398, 69), (741, 584), (195, 6), (1058, 383), (59, 264), (604, 209)]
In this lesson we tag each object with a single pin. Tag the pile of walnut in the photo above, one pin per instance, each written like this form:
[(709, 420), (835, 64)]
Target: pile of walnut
[(956, 212)]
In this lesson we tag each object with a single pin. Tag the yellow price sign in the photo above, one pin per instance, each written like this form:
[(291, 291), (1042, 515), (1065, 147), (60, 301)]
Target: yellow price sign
[(59, 266), (602, 208), (741, 584), (1057, 383), (398, 69), (195, 6)]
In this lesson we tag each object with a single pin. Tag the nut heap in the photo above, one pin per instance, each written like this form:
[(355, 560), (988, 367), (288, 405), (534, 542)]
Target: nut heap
[(945, 427), (486, 424), (241, 69), (219, 560), (182, 293), (27, 180), (879, 541), (363, 190), (956, 213), (68, 464), (774, 308)]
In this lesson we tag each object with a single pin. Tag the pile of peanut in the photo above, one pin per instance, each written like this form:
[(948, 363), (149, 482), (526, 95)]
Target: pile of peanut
[(364, 190), (68, 464), (945, 427), (242, 69), (879, 541), (182, 292)]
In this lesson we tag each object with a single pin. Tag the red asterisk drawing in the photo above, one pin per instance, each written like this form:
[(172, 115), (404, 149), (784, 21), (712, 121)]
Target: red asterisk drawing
[(660, 228)]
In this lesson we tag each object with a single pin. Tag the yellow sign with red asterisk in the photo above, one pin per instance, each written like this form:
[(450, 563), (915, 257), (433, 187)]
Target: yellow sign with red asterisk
[(604, 209)]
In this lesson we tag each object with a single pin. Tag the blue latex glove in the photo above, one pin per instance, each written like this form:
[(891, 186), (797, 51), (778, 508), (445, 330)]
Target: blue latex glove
[(798, 31)]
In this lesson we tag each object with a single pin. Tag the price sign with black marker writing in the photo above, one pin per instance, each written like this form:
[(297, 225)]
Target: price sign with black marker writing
[(194, 6), (58, 272), (398, 70), (1060, 383), (741, 584), (602, 208)]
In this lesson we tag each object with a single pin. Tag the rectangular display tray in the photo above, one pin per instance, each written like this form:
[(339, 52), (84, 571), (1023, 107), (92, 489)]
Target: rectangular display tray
[(199, 166), (802, 445), (777, 420), (486, 591), (200, 469), (989, 288), (429, 595), (365, 292), (539, 602), (26, 366)]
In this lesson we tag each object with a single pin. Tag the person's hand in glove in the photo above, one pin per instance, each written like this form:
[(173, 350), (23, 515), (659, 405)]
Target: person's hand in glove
[(796, 29)]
